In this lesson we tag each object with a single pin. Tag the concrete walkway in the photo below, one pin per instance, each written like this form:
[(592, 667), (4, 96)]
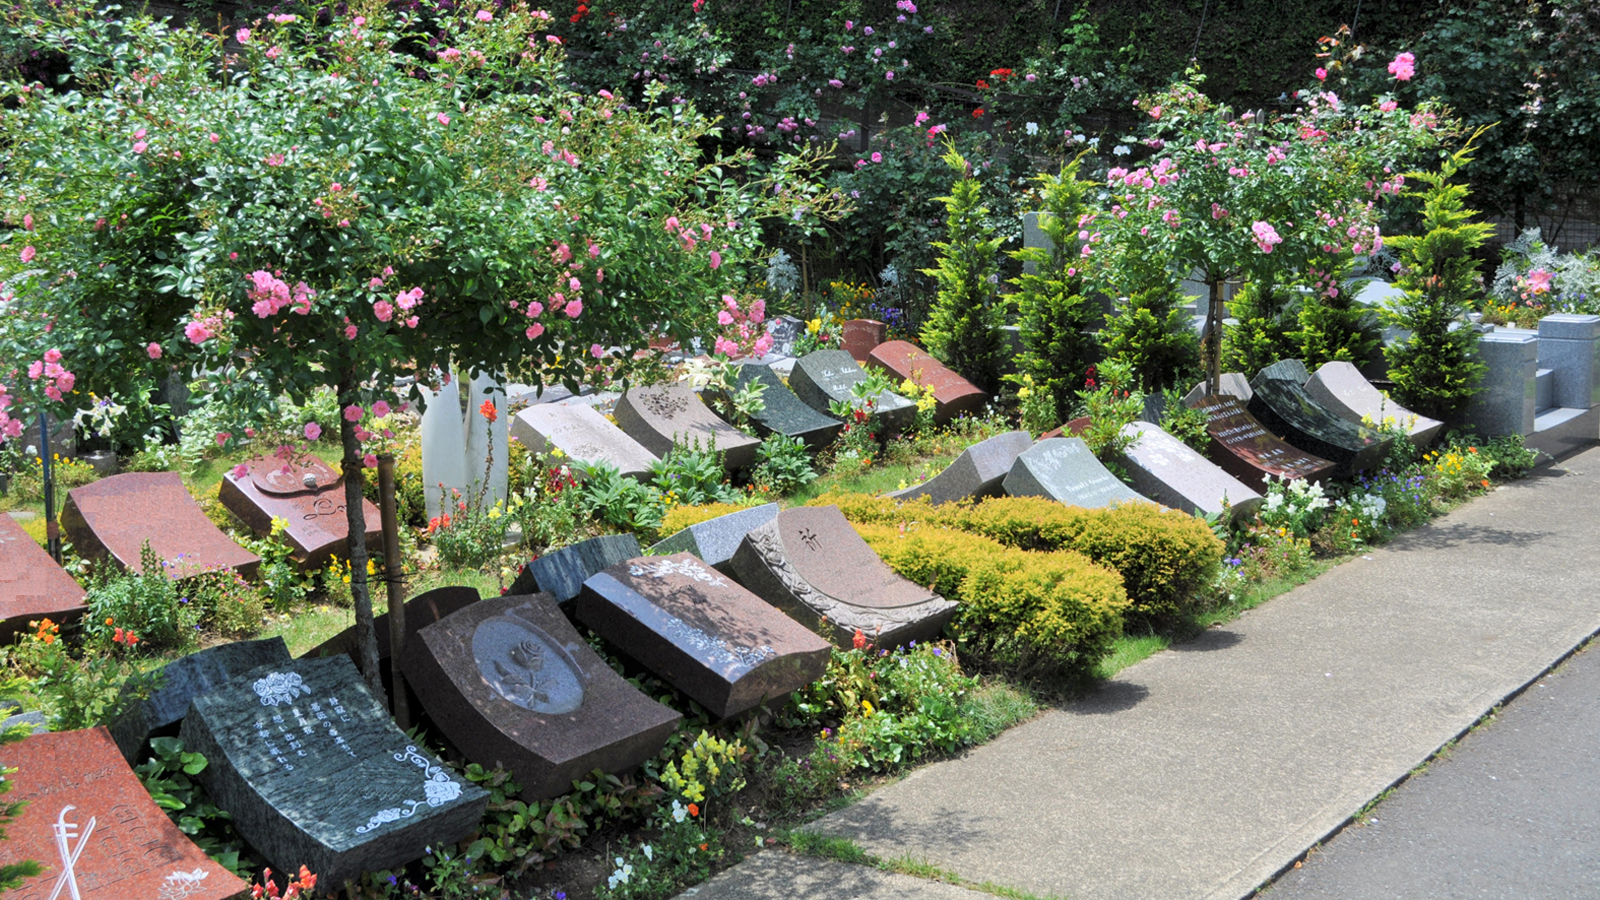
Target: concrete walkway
[(1202, 772)]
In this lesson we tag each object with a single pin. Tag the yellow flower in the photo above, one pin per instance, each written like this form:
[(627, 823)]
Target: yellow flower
[(494, 513), (1024, 393), (813, 326), (557, 453), (867, 707)]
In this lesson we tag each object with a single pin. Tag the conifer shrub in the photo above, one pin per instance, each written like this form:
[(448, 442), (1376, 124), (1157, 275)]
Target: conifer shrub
[(1054, 317), (964, 329)]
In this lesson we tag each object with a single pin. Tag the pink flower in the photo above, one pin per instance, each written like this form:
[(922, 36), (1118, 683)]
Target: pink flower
[(535, 330), (1538, 283), (223, 437), (384, 310), (1265, 236), (443, 119), (353, 413), (381, 408), (197, 333), (274, 159), (52, 355), (484, 15), (241, 470), (27, 222), (574, 308), (726, 347), (154, 350), (1322, 74), (724, 318), (1403, 67), (1388, 106), (214, 137), (716, 260), (274, 52), (370, 461), (350, 332), (242, 35), (888, 76), (877, 157), (28, 254), (596, 351)]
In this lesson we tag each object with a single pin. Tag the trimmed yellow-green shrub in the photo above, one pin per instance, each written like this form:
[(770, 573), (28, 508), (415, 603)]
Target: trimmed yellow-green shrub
[(1052, 611), (680, 517)]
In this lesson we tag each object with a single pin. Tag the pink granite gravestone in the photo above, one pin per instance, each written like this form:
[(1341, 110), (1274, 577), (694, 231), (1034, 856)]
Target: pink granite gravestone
[(308, 495), (952, 395), (32, 586), (115, 516), (861, 335)]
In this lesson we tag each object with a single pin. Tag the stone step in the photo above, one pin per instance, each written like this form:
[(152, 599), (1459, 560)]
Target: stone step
[(1544, 390), (1555, 417)]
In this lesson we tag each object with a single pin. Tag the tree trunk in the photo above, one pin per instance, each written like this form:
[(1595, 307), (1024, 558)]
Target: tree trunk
[(366, 633), (1214, 337)]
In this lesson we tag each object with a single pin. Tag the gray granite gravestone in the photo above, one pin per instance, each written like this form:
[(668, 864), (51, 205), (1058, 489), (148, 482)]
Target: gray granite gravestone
[(512, 684), (1232, 384), (561, 573), (1066, 470), (660, 416), (1569, 345), (977, 472), (1340, 387), (34, 720), (1280, 403), (1506, 399), (159, 699), (811, 564), (582, 434), (714, 540), (824, 376), (784, 413), (314, 772), (724, 647), (1164, 469)]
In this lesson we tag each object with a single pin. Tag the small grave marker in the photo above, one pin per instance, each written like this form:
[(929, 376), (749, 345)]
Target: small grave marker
[(1250, 453), (115, 516), (582, 434), (658, 416), (785, 414), (1066, 470), (1280, 402), (825, 376), (977, 472), (561, 573), (168, 691), (1164, 469), (715, 540), (308, 495), (860, 336), (953, 395)]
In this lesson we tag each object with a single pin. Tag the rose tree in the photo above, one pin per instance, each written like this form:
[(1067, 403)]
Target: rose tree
[(315, 203)]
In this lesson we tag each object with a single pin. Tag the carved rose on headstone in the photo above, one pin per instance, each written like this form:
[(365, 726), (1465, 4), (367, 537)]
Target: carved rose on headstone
[(278, 687)]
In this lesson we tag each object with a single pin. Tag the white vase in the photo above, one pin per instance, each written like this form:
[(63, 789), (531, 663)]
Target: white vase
[(444, 460)]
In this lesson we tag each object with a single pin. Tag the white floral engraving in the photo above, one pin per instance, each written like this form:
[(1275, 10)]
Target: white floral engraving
[(179, 885), (279, 687), (438, 789), (684, 567)]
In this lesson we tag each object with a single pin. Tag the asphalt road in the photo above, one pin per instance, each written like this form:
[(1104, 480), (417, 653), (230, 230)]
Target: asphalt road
[(1511, 811)]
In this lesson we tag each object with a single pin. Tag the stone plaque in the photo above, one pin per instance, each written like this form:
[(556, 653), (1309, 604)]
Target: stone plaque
[(811, 564), (1341, 388), (582, 433), (32, 585), (785, 330), (308, 495), (977, 472), (860, 336), (723, 646), (115, 516), (314, 772), (1066, 470), (785, 414), (952, 395), (715, 540), (168, 691), (658, 416), (511, 683), (1164, 469), (93, 829), (1249, 452), (823, 376), (1280, 403), (561, 573)]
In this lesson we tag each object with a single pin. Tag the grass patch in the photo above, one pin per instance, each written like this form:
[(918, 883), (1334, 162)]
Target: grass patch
[(874, 480), (826, 846), (1129, 649), (998, 705), (846, 850), (308, 626), (429, 579), (1262, 591)]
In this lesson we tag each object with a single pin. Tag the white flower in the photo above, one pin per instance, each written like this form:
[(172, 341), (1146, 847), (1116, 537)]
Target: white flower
[(678, 812), (1274, 500), (1121, 150), (1032, 128), (649, 852)]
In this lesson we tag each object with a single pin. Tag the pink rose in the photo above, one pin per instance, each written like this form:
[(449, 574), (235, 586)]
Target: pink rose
[(28, 253), (153, 349), (596, 351), (535, 330), (484, 15), (240, 471), (370, 461), (223, 437), (353, 413), (574, 308), (313, 431), (716, 260), (1403, 67), (381, 408), (443, 119)]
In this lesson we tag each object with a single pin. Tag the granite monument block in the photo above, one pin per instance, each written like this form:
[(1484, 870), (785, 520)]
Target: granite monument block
[(952, 395), (859, 336), (314, 772), (825, 376), (1340, 387), (1280, 403), (561, 573), (1066, 470), (723, 646), (977, 472), (511, 683), (308, 495), (658, 416), (93, 829), (811, 564), (32, 585), (582, 434), (157, 700), (715, 540), (1506, 398), (1251, 453), (1569, 345), (785, 414), (115, 516), (1164, 469)]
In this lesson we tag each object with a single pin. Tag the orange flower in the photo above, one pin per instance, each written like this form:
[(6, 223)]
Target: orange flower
[(488, 411), (977, 113), (694, 809), (703, 847), (860, 641)]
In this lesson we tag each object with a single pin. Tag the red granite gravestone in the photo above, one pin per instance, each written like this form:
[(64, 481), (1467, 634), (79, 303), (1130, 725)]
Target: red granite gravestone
[(660, 416), (93, 829), (1243, 446), (511, 683), (718, 643), (32, 586), (115, 516), (308, 495), (811, 564), (953, 395), (861, 335)]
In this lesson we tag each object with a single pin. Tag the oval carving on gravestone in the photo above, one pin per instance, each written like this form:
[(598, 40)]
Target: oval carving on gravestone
[(525, 667), (276, 476)]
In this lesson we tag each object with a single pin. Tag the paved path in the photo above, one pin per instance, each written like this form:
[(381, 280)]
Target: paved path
[(1511, 812), (1202, 772)]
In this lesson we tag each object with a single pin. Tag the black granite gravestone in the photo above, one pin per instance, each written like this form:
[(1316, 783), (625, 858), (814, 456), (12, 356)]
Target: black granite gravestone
[(1280, 402), (784, 413), (1066, 470), (977, 472), (159, 699), (824, 376), (561, 573)]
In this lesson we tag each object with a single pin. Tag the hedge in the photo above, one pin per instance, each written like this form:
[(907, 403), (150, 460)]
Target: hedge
[(680, 517)]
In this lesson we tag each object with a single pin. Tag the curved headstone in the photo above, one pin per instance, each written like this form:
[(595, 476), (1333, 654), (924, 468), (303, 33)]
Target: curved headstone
[(1342, 388), (159, 699), (723, 646), (661, 415), (715, 540), (952, 395), (858, 337), (115, 516), (314, 772), (32, 585), (1280, 402), (308, 495), (811, 564), (94, 831), (1066, 470), (785, 414), (561, 573), (1249, 452), (825, 376), (582, 433), (1231, 384), (510, 682), (977, 472), (1164, 469)]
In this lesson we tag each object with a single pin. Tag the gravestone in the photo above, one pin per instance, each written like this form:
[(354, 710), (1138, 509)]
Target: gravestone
[(168, 691), (1340, 387), (115, 516), (658, 416), (1064, 469), (825, 376), (977, 472), (1230, 384), (811, 564), (1164, 469), (456, 439), (723, 646), (785, 414), (1280, 403), (859, 336), (314, 772), (32, 585), (421, 611), (511, 683), (715, 540), (34, 720), (93, 829), (582, 434), (785, 330), (1251, 453), (1506, 399), (952, 395), (561, 573), (308, 495)]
